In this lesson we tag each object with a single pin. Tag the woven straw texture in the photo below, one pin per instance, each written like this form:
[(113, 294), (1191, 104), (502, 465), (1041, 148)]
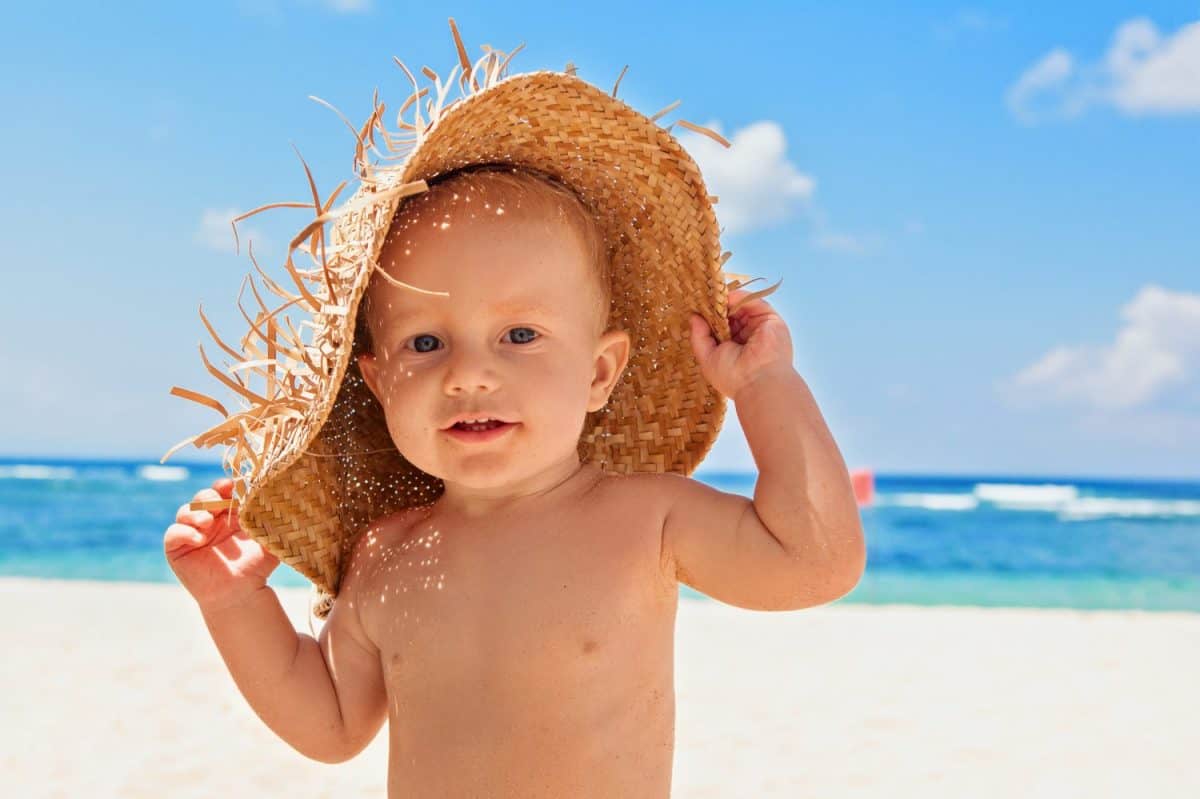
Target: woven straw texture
[(312, 461)]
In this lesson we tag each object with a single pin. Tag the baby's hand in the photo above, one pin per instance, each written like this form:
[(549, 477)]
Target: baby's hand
[(759, 343), (215, 560)]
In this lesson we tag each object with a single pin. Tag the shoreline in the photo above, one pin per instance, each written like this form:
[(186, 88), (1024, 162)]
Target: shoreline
[(115, 689)]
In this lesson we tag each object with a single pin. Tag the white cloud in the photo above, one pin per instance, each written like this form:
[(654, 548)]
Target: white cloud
[(1158, 347), (1048, 74), (968, 21), (1143, 72), (758, 186), (1155, 74), (216, 233), (756, 183)]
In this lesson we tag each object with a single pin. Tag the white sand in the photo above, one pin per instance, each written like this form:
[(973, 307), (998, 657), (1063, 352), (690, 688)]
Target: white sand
[(116, 690)]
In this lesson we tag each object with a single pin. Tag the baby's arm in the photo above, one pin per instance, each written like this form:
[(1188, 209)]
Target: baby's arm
[(799, 543), (324, 697)]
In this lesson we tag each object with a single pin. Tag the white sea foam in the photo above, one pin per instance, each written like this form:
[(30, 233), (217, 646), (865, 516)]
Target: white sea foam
[(1096, 507), (1013, 496), (958, 502), (35, 471), (1060, 499), (163, 473)]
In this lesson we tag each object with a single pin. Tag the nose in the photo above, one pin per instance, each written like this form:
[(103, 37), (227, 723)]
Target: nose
[(469, 369)]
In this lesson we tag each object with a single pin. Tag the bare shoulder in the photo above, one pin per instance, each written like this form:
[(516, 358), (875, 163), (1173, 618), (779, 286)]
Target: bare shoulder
[(372, 545), (642, 501), (653, 489), (645, 494)]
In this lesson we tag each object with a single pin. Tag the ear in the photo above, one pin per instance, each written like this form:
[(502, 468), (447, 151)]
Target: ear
[(370, 372), (612, 355)]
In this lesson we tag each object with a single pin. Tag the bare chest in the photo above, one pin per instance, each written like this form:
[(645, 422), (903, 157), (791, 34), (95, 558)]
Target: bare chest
[(497, 609)]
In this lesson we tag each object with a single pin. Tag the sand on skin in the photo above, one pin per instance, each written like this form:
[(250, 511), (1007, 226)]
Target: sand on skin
[(114, 689)]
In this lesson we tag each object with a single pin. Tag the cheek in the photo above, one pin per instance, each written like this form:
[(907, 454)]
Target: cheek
[(396, 381), (402, 408), (569, 379)]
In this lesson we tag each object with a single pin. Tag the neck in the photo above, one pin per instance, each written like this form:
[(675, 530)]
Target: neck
[(566, 478)]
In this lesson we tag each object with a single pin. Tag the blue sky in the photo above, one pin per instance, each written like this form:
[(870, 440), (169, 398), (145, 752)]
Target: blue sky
[(985, 216)]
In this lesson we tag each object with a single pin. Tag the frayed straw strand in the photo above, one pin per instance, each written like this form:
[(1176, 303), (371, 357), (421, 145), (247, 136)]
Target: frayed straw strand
[(260, 209), (736, 284), (203, 399), (712, 134), (618, 83), (665, 111)]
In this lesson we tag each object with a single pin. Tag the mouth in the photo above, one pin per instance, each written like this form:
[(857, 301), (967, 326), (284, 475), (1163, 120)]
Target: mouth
[(478, 433)]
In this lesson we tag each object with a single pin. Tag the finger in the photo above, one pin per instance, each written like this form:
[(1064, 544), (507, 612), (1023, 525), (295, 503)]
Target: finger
[(232, 521), (703, 342), (224, 487), (737, 297), (181, 535), (195, 518), (743, 300), (749, 321), (738, 330), (748, 308), (210, 495)]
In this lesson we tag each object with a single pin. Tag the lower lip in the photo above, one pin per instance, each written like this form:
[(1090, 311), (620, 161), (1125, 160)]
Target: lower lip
[(473, 437)]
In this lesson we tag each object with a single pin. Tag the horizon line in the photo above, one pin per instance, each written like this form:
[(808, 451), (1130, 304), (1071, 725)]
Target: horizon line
[(877, 474)]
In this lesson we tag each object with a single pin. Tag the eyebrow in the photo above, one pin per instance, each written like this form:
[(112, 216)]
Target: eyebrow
[(510, 308), (522, 306)]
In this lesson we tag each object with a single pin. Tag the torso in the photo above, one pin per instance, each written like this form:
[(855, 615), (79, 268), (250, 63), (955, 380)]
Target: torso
[(529, 658)]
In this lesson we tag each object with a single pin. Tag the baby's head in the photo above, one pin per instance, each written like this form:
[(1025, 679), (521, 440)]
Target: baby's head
[(523, 335)]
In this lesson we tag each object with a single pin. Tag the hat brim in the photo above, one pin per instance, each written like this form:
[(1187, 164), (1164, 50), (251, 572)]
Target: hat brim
[(315, 485)]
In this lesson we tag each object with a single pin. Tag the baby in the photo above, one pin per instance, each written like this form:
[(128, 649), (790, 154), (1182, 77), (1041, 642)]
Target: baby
[(517, 634)]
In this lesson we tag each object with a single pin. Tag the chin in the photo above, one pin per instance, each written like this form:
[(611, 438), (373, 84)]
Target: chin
[(423, 462), (482, 470)]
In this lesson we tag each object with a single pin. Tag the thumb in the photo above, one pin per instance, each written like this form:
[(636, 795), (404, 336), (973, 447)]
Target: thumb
[(703, 342)]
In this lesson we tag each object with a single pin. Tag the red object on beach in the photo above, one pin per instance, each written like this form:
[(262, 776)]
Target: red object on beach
[(863, 481)]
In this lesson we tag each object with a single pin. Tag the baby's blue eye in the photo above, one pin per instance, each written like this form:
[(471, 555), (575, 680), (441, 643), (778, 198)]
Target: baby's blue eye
[(418, 338), (523, 339)]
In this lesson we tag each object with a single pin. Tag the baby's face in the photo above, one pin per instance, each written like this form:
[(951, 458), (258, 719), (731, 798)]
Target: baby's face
[(519, 338)]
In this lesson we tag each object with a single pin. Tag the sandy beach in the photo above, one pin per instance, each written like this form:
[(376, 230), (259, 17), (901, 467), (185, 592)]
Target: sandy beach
[(114, 689)]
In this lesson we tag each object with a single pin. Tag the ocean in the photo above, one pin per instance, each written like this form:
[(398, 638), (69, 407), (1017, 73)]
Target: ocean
[(957, 540)]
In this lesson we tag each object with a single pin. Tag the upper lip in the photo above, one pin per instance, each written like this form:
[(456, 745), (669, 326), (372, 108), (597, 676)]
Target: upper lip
[(462, 417)]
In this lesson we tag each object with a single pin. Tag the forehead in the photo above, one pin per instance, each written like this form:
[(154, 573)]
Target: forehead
[(409, 304), (489, 254)]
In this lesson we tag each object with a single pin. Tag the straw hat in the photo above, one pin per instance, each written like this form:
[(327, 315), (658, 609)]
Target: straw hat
[(312, 461)]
